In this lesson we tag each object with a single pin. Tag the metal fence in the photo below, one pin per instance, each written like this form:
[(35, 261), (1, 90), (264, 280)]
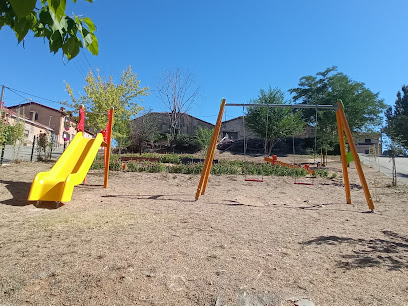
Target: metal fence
[(25, 153)]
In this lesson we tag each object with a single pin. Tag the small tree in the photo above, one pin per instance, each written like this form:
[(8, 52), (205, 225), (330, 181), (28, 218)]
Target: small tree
[(203, 136), (42, 144), (395, 149), (143, 131), (397, 119), (273, 123), (100, 95), (177, 91)]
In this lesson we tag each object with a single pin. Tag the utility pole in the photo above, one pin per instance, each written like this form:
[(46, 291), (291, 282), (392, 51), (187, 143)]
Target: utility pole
[(3, 87)]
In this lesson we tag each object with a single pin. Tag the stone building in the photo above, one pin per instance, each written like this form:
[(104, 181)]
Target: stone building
[(187, 125), (370, 143)]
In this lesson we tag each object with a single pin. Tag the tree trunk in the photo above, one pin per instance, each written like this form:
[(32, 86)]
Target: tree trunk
[(394, 172)]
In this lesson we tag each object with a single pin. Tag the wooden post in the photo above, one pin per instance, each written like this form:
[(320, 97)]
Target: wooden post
[(210, 153), (217, 131), (108, 147), (343, 157), (355, 156)]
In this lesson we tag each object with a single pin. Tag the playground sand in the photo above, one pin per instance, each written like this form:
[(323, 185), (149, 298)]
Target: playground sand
[(145, 241)]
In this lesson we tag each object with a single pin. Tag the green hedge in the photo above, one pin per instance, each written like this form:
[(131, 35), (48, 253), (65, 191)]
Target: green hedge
[(171, 163)]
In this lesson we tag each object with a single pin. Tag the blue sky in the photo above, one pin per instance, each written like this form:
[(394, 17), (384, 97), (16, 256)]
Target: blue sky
[(234, 48)]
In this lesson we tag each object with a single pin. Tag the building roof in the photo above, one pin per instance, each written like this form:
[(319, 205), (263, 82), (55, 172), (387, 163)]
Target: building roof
[(184, 114), (236, 118), (35, 103), (13, 114)]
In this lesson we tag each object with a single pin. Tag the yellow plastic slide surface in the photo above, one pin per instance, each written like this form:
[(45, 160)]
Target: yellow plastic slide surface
[(70, 170)]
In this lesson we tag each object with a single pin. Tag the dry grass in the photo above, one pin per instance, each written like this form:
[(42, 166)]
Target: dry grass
[(145, 241)]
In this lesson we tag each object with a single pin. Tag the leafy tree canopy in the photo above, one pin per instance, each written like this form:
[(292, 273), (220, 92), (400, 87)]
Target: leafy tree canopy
[(362, 107), (100, 95), (397, 119), (273, 123), (50, 21)]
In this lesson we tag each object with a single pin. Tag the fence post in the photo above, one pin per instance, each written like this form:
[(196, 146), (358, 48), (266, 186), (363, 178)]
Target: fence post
[(3, 147), (32, 150)]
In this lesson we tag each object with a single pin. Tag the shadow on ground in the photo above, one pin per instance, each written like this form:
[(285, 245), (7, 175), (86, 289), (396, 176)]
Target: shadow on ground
[(391, 253), (19, 192)]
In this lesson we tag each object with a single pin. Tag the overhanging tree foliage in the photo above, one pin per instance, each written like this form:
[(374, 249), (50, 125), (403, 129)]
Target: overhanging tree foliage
[(272, 123), (50, 21), (100, 95), (397, 119), (362, 107)]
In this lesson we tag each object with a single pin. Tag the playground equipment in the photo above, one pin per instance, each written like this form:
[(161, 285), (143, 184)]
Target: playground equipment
[(73, 165), (342, 126), (274, 161)]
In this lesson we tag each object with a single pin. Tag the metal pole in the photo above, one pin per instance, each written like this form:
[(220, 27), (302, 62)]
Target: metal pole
[(1, 97), (334, 107), (32, 149), (3, 147)]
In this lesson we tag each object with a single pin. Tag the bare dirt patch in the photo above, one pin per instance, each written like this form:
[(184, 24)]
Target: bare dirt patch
[(145, 241)]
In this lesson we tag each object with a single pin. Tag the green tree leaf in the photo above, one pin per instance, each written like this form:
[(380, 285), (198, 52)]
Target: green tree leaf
[(22, 7), (58, 8), (21, 27), (71, 47), (55, 41), (21, 16), (90, 24)]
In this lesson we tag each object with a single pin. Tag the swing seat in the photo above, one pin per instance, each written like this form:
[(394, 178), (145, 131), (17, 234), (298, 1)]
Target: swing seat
[(296, 183), (253, 180)]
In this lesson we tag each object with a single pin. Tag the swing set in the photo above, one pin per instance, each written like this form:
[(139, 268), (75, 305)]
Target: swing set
[(342, 127)]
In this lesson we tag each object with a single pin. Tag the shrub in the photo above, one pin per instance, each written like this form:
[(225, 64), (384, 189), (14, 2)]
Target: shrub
[(203, 136), (224, 167), (170, 159), (322, 172), (186, 144)]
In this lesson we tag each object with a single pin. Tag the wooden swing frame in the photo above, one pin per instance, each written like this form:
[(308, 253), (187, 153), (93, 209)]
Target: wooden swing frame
[(342, 126)]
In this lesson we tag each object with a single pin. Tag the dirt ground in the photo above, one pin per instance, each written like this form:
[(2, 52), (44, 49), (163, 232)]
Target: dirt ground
[(146, 241)]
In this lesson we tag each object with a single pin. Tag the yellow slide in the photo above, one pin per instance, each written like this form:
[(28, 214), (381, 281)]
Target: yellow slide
[(70, 170)]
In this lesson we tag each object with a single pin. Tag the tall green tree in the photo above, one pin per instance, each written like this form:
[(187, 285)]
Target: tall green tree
[(362, 107), (101, 94), (397, 119), (273, 123), (47, 19)]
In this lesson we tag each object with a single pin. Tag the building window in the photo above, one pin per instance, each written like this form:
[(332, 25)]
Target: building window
[(367, 151), (367, 140), (36, 116)]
